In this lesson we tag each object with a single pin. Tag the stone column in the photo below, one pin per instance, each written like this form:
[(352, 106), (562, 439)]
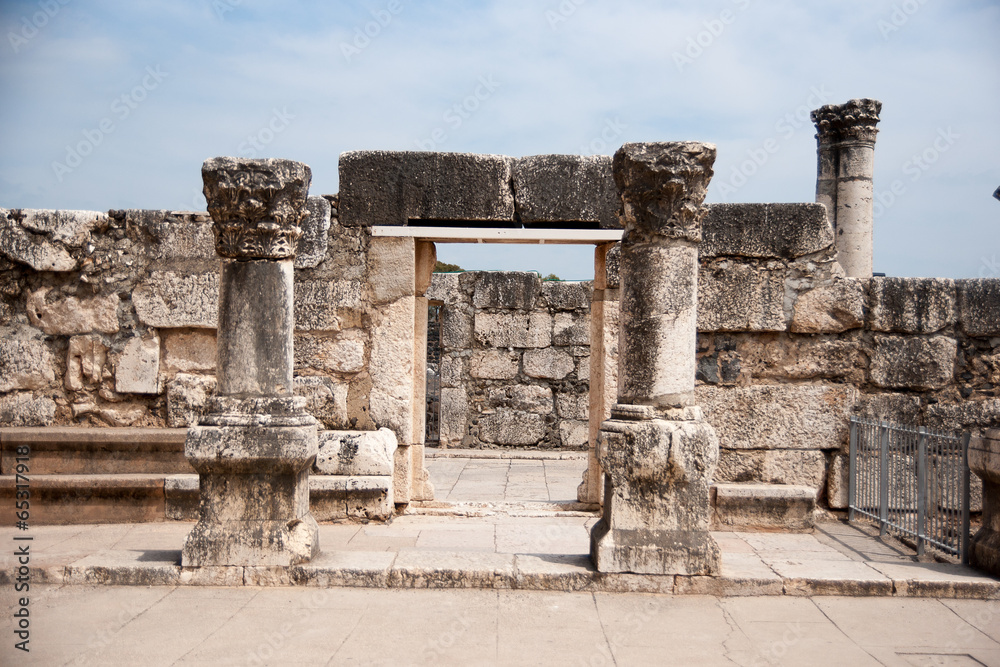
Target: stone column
[(846, 153), (254, 446), (657, 453), (984, 461)]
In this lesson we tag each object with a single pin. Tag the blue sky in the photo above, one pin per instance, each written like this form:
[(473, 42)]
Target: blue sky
[(148, 90)]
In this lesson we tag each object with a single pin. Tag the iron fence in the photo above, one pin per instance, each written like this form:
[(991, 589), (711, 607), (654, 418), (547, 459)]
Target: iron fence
[(913, 482)]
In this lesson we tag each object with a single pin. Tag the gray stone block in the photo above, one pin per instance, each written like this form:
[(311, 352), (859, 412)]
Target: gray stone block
[(831, 308), (355, 453), (68, 315), (532, 329), (788, 507), (25, 360), (613, 265), (979, 306), (566, 188), (174, 236), (187, 396), (512, 427), (393, 187), (326, 399), (513, 290), (977, 415), (24, 409), (35, 250), (548, 363), (782, 231), (779, 416), (525, 397), (740, 297), (70, 228), (909, 362), (911, 305), (776, 466), (902, 408), (178, 299), (567, 295), (312, 245), (571, 329)]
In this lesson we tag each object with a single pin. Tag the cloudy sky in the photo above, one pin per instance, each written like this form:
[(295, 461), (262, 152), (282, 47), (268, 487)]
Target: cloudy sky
[(116, 104)]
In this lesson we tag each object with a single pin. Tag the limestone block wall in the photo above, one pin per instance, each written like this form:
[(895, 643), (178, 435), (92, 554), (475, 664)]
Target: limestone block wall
[(515, 360)]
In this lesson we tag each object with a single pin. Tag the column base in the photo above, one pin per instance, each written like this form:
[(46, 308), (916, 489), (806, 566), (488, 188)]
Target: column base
[(267, 543), (646, 551), (984, 551)]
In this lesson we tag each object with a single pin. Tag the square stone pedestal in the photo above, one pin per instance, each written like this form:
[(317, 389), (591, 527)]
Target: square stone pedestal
[(254, 506), (656, 497)]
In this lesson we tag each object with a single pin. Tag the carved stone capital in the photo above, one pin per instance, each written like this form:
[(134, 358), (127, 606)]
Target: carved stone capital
[(855, 120), (256, 205), (662, 187)]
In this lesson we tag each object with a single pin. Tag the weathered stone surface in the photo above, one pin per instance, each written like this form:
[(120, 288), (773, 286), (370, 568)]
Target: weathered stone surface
[(312, 245), (772, 466), (779, 416), (740, 297), (831, 308), (392, 268), (175, 236), (612, 266), (35, 250), (394, 187), (567, 295), (24, 409), (137, 367), (766, 506), (984, 462), (176, 299), (512, 427), (907, 362), (188, 350), (319, 303), (265, 224), (911, 305), (979, 306), (566, 188), (85, 358), (573, 406), (453, 370), (454, 413), (793, 357), (901, 408), (326, 399), (504, 329), (493, 364), (662, 187), (571, 329), (526, 397), (355, 452), (25, 361), (656, 505), (391, 369), (837, 482), (515, 290), (71, 228), (976, 415), (187, 396), (456, 328), (550, 363), (573, 433), (779, 231), (70, 315)]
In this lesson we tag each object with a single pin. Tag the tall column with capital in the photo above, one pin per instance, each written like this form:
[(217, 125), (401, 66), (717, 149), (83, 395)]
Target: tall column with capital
[(657, 452), (845, 136), (254, 446)]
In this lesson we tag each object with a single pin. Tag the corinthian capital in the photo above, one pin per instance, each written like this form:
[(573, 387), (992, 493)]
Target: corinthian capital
[(853, 120), (256, 205), (662, 187)]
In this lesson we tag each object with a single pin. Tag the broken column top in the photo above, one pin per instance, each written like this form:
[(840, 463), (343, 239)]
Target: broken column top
[(256, 205), (854, 119), (662, 187)]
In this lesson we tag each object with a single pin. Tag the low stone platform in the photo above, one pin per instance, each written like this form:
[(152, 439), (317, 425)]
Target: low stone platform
[(500, 552)]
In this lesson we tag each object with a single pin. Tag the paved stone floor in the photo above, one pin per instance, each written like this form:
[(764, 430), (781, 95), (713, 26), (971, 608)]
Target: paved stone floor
[(510, 587)]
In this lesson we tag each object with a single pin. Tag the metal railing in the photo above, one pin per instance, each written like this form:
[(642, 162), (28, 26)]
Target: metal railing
[(913, 482)]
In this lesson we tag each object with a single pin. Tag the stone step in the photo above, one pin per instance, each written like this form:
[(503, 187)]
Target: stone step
[(93, 451), (507, 508), (143, 497), (763, 506)]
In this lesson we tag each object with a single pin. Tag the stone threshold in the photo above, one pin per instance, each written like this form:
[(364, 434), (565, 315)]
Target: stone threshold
[(424, 569), (502, 508), (553, 455)]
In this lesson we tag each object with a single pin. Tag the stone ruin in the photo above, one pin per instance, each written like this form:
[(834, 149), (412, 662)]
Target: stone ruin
[(113, 320)]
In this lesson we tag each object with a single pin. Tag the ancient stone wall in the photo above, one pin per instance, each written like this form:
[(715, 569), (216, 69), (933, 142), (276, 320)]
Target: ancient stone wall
[(515, 360)]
